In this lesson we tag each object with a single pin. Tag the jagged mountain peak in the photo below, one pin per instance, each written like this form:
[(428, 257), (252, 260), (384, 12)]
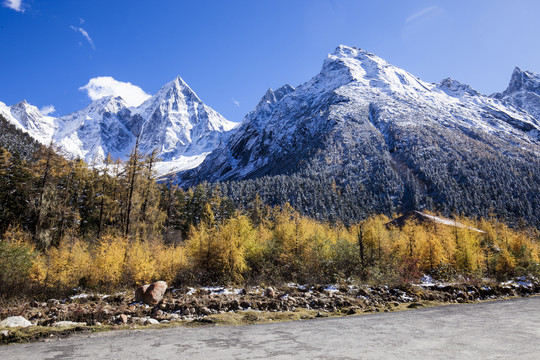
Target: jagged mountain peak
[(21, 104), (174, 122), (272, 96), (523, 80), (29, 118), (108, 104), (178, 87), (24, 106), (354, 65), (455, 88), (170, 97)]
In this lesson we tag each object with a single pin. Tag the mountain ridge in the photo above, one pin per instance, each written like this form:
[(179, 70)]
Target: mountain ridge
[(174, 122), (385, 138)]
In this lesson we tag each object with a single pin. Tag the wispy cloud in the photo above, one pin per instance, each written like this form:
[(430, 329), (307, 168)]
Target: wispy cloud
[(85, 34), (102, 86), (236, 102), (16, 5), (423, 13), (47, 109), (81, 20)]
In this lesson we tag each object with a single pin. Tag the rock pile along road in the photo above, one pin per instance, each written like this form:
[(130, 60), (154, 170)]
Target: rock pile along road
[(495, 329)]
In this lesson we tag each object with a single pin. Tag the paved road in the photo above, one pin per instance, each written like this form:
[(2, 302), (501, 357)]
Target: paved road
[(502, 329)]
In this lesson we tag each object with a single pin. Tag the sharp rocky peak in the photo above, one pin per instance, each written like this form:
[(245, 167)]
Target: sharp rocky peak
[(21, 104), (455, 88), (272, 96), (176, 87), (110, 104), (523, 81), (354, 65)]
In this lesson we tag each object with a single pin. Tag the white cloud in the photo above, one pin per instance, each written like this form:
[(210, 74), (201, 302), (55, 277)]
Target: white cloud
[(81, 20), (47, 109), (85, 34), (14, 4), (424, 12), (101, 86), (236, 102)]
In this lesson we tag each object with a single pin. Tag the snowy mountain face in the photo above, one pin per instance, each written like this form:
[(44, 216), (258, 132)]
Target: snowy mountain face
[(175, 123), (359, 92), (29, 119), (523, 92), (178, 123), (386, 137)]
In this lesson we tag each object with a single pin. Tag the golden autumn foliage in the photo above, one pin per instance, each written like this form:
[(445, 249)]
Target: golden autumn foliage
[(282, 246)]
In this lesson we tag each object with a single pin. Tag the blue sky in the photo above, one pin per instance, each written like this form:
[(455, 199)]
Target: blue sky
[(230, 52)]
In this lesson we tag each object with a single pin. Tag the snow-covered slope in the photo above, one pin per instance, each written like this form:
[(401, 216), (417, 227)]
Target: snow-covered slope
[(358, 88), (29, 119), (96, 131), (364, 136), (177, 123), (174, 122)]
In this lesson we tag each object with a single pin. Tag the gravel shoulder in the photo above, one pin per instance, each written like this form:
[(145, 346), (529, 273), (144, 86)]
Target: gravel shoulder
[(491, 329)]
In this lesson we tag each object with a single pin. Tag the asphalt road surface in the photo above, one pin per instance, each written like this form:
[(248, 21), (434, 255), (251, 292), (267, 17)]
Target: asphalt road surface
[(508, 329)]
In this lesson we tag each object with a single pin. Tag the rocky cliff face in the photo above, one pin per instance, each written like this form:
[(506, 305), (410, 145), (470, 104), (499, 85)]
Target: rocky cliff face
[(523, 92)]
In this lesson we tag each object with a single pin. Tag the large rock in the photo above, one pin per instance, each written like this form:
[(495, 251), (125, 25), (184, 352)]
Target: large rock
[(15, 321), (151, 294)]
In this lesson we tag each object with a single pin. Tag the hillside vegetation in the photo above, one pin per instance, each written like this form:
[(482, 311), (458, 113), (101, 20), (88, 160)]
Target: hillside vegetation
[(65, 225)]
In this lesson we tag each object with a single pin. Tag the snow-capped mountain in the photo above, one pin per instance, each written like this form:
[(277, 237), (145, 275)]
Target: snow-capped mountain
[(96, 131), (388, 139), (29, 119), (361, 89), (523, 91), (178, 123), (174, 122)]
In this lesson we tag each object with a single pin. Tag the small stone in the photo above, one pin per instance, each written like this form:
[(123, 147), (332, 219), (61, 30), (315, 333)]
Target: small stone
[(151, 321), (4, 333), (123, 318), (415, 305), (15, 321), (270, 292), (205, 311), (138, 320)]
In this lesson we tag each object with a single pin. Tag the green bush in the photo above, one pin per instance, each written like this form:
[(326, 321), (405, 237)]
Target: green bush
[(16, 261)]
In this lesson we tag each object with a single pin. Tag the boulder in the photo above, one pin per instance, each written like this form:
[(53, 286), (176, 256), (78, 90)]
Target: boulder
[(154, 293), (15, 321)]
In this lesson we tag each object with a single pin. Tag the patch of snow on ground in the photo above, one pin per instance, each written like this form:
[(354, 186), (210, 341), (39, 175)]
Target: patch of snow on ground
[(426, 280), (331, 288), (180, 164)]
